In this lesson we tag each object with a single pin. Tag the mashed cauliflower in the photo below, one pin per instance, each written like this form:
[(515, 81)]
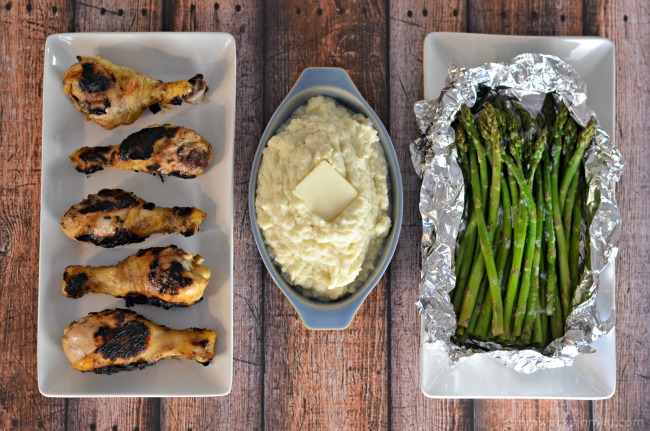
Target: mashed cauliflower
[(325, 260)]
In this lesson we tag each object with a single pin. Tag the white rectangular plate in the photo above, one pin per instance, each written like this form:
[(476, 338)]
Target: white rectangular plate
[(169, 57), (592, 376)]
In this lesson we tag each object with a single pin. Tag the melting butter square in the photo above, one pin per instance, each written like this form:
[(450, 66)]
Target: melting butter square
[(325, 191)]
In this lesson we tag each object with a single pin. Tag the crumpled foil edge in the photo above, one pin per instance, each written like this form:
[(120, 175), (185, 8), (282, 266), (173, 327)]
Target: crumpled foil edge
[(442, 202)]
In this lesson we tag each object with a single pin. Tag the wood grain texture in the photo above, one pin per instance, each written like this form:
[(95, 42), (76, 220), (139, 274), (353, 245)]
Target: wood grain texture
[(534, 18), (628, 24), (23, 30), (409, 23), (117, 15), (519, 415), (531, 17), (113, 414), (325, 379), (242, 409), (119, 413), (286, 377)]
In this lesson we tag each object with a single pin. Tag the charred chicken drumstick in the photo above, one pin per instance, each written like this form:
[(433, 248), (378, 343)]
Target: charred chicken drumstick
[(115, 217), (161, 276), (166, 150), (113, 95), (122, 340)]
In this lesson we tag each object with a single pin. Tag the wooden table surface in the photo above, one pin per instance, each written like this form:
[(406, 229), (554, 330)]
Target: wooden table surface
[(287, 377)]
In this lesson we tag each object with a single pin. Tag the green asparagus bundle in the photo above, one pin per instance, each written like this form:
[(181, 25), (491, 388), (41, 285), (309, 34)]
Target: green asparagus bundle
[(518, 260)]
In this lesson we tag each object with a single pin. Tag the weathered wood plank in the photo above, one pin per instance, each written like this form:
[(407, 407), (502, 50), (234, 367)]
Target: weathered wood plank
[(117, 413), (23, 30), (533, 18), (325, 379), (116, 15), (113, 414), (626, 22), (242, 409), (410, 21)]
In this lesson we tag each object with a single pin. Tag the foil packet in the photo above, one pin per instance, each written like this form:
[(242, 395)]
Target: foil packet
[(528, 78)]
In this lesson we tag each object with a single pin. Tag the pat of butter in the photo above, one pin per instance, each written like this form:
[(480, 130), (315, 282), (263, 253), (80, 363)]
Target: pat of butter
[(325, 192)]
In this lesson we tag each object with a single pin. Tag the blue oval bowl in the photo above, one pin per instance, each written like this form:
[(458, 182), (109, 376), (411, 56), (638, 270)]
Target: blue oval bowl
[(335, 83)]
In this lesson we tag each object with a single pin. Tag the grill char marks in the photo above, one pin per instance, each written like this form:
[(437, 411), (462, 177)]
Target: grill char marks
[(93, 158), (140, 145), (93, 82), (74, 285), (182, 211), (112, 369), (120, 237), (97, 111), (107, 200), (168, 277), (140, 299), (123, 342)]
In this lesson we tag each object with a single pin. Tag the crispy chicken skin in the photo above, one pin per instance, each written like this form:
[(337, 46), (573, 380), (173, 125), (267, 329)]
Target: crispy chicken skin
[(161, 276), (122, 340), (113, 95), (166, 150), (115, 217)]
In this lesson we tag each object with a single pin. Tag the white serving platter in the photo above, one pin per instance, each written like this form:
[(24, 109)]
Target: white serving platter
[(169, 57), (592, 376)]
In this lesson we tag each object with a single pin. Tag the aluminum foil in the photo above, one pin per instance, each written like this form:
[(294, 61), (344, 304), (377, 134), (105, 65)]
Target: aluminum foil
[(528, 77)]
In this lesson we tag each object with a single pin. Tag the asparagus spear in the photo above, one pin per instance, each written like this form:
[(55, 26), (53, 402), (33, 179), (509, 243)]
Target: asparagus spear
[(488, 127), (489, 119), (467, 120), (560, 238), (538, 151), (537, 331), (519, 233), (551, 250), (470, 291), (485, 240), (542, 294), (480, 299), (513, 122), (585, 138), (574, 245), (527, 123), (503, 254), (492, 137), (531, 306), (468, 242), (529, 243), (556, 319), (568, 208), (569, 142)]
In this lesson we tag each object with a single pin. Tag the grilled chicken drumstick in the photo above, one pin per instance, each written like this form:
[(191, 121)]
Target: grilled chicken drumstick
[(112, 95), (161, 276), (114, 217), (167, 150), (122, 340)]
